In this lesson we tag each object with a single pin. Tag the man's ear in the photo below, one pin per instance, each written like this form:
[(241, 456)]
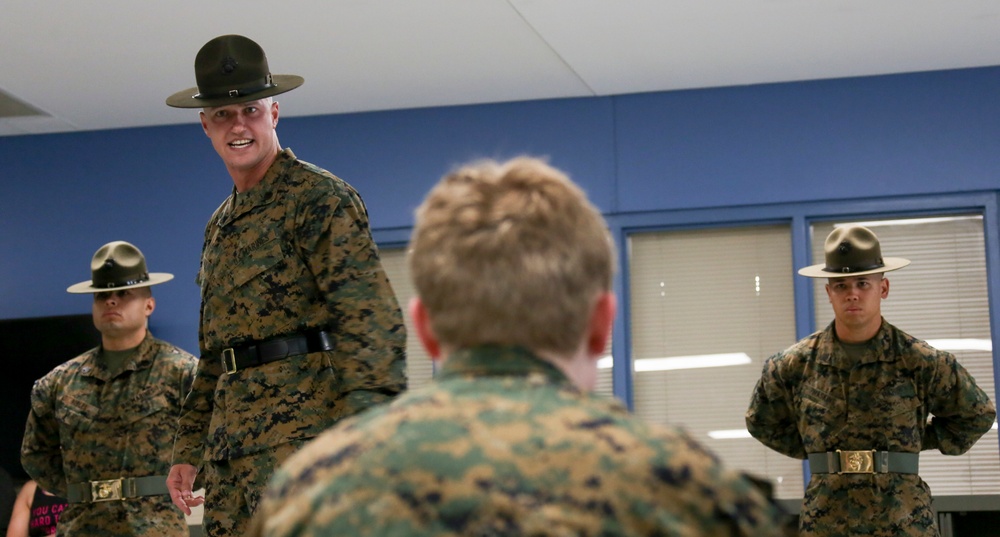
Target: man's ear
[(602, 317), (422, 322)]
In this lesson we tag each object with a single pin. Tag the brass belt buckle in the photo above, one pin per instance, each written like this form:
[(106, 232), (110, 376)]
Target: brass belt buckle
[(229, 360), (857, 462), (105, 491)]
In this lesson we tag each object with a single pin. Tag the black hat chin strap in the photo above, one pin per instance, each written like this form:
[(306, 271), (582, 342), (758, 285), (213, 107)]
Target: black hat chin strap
[(241, 92), (851, 270)]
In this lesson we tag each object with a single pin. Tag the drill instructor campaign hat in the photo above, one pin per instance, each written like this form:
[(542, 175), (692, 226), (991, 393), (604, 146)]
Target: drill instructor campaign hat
[(118, 265), (232, 69), (852, 251)]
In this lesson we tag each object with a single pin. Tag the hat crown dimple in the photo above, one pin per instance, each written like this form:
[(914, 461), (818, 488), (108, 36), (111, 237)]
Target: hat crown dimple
[(230, 62), (852, 249), (118, 264)]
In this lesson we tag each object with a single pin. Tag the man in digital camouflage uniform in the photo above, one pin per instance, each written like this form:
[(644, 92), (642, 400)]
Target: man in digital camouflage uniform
[(513, 269), (101, 425), (299, 324), (855, 399)]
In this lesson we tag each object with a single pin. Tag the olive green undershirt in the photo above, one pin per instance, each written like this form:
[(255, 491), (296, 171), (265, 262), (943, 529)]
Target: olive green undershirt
[(114, 361), (854, 352)]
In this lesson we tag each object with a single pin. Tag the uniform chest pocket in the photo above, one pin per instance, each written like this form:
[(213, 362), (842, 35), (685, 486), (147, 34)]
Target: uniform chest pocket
[(145, 405), (820, 409), (899, 397), (76, 413), (259, 257)]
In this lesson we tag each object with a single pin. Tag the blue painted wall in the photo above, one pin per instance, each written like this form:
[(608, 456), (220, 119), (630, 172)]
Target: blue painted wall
[(924, 134)]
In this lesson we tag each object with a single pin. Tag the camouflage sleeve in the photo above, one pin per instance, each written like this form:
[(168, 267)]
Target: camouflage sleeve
[(333, 235), (770, 418), (196, 414), (961, 410), (41, 456)]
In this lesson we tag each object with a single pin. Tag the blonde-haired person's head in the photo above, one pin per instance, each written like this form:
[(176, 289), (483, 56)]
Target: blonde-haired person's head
[(510, 253)]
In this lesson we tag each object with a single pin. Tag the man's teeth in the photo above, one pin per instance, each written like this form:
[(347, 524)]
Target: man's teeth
[(240, 143)]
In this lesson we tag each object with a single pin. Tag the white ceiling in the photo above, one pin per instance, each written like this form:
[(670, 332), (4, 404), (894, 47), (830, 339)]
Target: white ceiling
[(104, 64)]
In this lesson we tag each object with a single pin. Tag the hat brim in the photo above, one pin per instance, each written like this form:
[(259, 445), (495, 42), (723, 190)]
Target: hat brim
[(189, 98), (88, 287), (818, 271)]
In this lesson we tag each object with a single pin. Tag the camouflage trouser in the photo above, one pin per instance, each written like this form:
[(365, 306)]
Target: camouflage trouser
[(233, 488), (875, 505), (148, 516)]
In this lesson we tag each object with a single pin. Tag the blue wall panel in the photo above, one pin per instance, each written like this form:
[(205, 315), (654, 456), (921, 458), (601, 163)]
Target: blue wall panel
[(393, 158), (892, 135)]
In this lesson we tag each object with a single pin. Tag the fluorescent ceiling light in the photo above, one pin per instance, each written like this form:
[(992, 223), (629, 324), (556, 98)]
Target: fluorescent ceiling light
[(729, 434), (969, 344), (682, 362), (910, 221)]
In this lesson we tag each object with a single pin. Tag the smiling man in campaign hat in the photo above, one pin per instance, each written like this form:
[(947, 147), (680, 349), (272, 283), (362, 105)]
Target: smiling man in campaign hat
[(861, 399), (100, 427), (299, 324)]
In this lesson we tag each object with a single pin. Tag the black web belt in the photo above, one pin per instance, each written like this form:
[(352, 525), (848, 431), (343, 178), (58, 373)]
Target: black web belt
[(122, 488), (863, 462), (271, 350)]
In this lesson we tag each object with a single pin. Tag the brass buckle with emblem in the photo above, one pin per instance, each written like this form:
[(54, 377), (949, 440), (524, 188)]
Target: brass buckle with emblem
[(857, 462), (229, 360), (105, 491)]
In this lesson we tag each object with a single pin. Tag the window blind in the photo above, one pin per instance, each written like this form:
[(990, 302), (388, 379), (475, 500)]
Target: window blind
[(419, 368), (707, 292)]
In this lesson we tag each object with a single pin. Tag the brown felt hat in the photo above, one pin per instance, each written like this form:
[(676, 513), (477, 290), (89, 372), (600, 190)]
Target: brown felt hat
[(232, 69), (118, 265), (853, 251)]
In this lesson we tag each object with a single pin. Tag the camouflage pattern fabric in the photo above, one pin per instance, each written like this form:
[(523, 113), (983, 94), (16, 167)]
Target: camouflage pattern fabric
[(292, 254), (810, 400), (237, 487), (85, 425), (502, 443)]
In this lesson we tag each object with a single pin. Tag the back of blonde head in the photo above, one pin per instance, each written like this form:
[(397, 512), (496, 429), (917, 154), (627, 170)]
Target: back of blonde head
[(510, 253)]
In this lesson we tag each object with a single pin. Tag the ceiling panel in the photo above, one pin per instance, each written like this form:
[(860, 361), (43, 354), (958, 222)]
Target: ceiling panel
[(109, 64)]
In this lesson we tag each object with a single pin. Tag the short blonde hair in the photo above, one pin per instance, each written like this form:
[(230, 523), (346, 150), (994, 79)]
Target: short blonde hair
[(510, 253)]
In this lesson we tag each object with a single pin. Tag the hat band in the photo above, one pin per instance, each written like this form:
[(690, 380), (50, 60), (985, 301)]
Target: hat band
[(850, 270), (263, 84), (144, 277)]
